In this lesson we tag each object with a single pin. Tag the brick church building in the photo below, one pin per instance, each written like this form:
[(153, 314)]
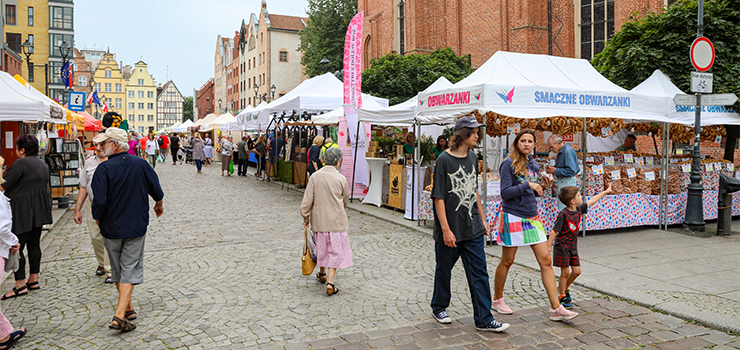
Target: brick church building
[(479, 28)]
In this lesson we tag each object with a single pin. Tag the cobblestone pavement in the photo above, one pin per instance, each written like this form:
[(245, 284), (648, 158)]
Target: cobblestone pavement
[(223, 272)]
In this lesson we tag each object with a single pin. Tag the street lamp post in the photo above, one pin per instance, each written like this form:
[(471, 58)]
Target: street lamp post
[(220, 110), (64, 51), (27, 49), (231, 106), (325, 63), (272, 91), (256, 91)]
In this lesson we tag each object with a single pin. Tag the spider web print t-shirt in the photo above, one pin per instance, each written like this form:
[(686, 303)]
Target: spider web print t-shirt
[(456, 183)]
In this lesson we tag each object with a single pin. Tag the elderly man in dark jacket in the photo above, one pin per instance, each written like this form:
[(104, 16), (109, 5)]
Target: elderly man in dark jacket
[(121, 208)]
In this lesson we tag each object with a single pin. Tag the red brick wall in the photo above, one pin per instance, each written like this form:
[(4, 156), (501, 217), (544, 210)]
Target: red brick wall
[(205, 100), (482, 27), (11, 64)]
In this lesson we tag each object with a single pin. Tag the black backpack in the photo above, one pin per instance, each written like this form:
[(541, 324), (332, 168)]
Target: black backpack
[(160, 141)]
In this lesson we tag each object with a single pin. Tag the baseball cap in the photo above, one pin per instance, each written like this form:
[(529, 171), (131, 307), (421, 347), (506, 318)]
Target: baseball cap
[(114, 134), (467, 122)]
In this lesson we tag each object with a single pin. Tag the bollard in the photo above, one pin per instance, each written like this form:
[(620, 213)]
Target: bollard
[(724, 214)]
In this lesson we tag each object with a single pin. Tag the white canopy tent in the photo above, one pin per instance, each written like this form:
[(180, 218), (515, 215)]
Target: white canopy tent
[(402, 114), (658, 84), (205, 121), (17, 103), (323, 92), (216, 123), (538, 86), (332, 117), (241, 116), (255, 119), (183, 127)]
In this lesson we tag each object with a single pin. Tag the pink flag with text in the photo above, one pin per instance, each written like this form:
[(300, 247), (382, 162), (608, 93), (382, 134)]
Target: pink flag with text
[(353, 96)]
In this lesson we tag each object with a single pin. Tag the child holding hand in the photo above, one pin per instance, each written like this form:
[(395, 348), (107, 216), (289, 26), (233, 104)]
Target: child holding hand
[(565, 235)]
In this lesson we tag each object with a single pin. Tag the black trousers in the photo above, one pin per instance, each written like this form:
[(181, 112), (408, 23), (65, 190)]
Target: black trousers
[(31, 240)]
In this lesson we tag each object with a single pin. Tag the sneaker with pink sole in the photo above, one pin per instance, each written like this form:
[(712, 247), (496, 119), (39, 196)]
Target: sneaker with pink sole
[(562, 314), (501, 307)]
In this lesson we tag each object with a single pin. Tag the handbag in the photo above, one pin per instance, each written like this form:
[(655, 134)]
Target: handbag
[(231, 167), (308, 264)]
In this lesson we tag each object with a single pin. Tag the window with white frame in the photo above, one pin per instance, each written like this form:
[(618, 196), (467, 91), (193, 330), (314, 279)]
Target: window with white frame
[(141, 94), (82, 80), (141, 105), (141, 117), (108, 73), (119, 103), (131, 105), (119, 87), (150, 94), (150, 117), (141, 82), (150, 105), (131, 93), (107, 87)]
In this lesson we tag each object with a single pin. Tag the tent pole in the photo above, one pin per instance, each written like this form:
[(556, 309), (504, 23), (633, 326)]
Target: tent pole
[(584, 149), (485, 179), (354, 159)]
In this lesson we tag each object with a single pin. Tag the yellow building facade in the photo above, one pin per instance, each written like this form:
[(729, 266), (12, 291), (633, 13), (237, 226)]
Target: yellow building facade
[(111, 85), (46, 25), (141, 99)]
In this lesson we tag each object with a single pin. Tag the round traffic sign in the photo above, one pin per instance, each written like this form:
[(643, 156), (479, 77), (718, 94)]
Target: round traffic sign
[(702, 54)]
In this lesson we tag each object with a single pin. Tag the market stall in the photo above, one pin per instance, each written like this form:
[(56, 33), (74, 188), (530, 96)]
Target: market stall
[(566, 96)]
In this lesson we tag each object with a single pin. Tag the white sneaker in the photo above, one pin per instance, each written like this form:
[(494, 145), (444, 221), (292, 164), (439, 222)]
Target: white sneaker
[(562, 314), (442, 317), (501, 307)]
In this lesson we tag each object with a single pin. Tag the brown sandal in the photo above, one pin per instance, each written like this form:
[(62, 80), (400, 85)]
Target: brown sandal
[(123, 325), (321, 277), (333, 289)]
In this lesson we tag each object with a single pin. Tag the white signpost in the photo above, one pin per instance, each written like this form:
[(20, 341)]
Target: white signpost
[(706, 100)]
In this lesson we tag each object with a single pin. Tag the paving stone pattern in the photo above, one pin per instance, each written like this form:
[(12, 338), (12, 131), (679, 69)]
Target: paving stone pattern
[(222, 271)]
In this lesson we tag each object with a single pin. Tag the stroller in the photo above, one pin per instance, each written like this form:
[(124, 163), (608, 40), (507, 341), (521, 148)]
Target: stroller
[(189, 156)]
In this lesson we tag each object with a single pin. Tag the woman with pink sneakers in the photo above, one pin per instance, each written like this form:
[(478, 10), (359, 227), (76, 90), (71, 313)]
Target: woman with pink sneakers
[(521, 225)]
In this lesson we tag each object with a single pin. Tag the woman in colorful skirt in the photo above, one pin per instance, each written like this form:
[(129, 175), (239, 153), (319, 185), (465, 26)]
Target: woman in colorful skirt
[(521, 225), (323, 206)]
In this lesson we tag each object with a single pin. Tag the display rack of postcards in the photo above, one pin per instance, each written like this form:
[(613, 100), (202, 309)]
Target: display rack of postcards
[(63, 161)]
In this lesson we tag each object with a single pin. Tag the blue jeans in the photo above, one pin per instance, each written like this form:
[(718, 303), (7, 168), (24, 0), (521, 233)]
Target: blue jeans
[(474, 260), (243, 164), (199, 164)]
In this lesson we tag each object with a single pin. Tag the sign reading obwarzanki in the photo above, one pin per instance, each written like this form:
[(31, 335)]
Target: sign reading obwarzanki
[(468, 97)]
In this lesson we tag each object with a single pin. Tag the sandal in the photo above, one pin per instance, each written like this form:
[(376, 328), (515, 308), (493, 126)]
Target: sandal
[(33, 285), (123, 325), (321, 277), (14, 336), (131, 315), (333, 289), (17, 293)]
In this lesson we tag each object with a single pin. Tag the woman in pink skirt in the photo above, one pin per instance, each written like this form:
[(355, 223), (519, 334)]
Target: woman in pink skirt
[(323, 206)]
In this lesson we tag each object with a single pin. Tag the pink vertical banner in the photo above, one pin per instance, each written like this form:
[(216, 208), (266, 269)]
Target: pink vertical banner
[(353, 97)]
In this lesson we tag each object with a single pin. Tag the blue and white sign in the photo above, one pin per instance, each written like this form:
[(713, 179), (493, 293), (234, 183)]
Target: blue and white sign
[(76, 101)]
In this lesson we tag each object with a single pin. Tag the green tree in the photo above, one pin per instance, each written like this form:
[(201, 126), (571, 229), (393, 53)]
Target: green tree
[(187, 109), (399, 78), (324, 35), (663, 40)]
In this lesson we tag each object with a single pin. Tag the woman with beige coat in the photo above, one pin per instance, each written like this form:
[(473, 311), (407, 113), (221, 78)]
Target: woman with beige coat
[(323, 206)]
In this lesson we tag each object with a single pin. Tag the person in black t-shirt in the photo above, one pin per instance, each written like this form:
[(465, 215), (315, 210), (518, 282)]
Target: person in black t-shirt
[(460, 227), (174, 147), (565, 235)]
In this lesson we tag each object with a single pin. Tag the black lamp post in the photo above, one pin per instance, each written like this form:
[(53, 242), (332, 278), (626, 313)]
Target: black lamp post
[(272, 91), (219, 106), (325, 63), (231, 105), (27, 48), (64, 51), (256, 91)]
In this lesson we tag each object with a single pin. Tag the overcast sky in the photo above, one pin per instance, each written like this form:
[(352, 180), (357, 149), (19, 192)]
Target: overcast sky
[(179, 34)]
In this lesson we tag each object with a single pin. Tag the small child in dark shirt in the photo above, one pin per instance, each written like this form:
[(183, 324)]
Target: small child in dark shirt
[(565, 235)]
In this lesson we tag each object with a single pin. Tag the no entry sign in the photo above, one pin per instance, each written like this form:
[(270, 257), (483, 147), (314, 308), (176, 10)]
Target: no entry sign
[(702, 54)]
